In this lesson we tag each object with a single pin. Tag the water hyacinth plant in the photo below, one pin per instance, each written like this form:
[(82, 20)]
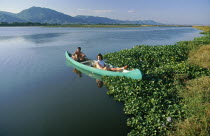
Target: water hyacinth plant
[(155, 104)]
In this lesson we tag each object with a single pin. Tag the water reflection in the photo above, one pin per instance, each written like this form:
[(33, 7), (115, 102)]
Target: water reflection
[(78, 71), (99, 83), (42, 38), (35, 38), (90, 74)]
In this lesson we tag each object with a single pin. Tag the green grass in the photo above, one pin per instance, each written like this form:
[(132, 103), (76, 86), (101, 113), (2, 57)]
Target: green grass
[(196, 96), (160, 95)]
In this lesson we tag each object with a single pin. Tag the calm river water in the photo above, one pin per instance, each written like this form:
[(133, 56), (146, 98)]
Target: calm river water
[(40, 95)]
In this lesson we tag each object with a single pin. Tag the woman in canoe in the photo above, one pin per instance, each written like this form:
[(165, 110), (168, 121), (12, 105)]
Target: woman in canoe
[(78, 55), (100, 64)]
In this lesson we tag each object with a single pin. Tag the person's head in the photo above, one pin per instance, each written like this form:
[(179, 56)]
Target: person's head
[(78, 49), (100, 57)]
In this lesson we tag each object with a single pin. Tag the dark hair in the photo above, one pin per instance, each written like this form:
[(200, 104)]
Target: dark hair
[(79, 48), (100, 56)]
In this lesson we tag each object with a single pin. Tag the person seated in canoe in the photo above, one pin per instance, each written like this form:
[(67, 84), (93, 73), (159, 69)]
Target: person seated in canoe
[(100, 64), (78, 55)]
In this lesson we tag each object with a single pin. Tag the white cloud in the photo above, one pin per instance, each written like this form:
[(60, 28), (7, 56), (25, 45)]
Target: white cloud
[(131, 11), (81, 9), (95, 10), (102, 11)]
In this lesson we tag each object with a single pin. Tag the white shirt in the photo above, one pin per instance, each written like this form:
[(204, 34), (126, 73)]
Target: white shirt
[(101, 63)]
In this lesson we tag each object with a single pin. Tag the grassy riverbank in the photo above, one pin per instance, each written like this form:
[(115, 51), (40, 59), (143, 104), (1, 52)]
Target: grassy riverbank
[(173, 97)]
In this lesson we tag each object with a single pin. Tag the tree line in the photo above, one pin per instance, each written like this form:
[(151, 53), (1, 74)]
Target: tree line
[(25, 24)]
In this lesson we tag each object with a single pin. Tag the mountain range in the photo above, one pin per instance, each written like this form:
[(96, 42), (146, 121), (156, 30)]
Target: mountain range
[(46, 15)]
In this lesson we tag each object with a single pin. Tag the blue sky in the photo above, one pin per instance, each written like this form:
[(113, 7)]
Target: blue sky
[(164, 11)]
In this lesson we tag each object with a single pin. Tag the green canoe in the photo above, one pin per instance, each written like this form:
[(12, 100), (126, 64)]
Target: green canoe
[(88, 66), (90, 74)]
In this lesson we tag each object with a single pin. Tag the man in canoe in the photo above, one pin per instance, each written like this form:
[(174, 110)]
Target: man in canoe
[(100, 64), (78, 55)]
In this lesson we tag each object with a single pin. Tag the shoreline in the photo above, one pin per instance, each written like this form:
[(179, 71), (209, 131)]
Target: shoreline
[(118, 25), (157, 104), (96, 25)]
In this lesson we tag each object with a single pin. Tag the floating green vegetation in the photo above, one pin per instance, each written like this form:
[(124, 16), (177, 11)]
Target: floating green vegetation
[(155, 103)]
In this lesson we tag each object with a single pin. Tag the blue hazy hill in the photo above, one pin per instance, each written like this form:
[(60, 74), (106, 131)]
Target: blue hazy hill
[(46, 15)]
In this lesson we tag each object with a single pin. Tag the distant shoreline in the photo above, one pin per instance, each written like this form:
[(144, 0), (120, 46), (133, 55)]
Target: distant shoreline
[(113, 25), (36, 24)]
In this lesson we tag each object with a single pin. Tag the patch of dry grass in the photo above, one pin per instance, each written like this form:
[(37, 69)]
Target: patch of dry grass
[(200, 57), (203, 28)]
